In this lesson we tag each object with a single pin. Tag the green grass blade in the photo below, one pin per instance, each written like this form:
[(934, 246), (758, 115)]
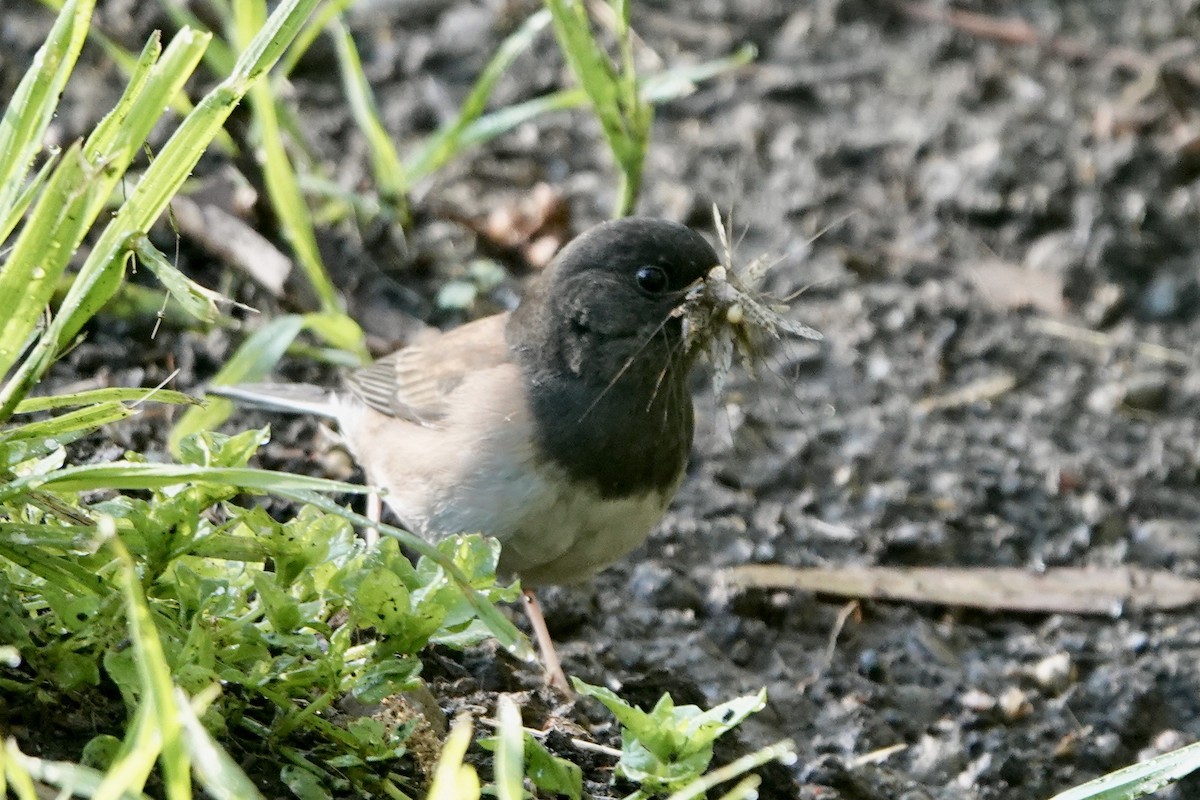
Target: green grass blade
[(32, 105), (220, 57), (161, 181), (74, 538), (85, 419), (138, 754), (130, 475), (155, 678), (283, 188), (91, 396), (509, 758), (1139, 780), (783, 751), (198, 301), (60, 571), (624, 115), (73, 779), (81, 185), (449, 141), (215, 769), (390, 181), (42, 252), (319, 22), (452, 779), (15, 776), (126, 61), (22, 201), (252, 361)]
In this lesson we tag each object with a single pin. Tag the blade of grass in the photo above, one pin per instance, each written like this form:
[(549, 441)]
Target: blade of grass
[(82, 183), (42, 252), (783, 751), (147, 201), (154, 674), (91, 396), (15, 774), (60, 571), (624, 115), (31, 108), (448, 141), (658, 88), (130, 475), (85, 419), (220, 58), (216, 770), (509, 758), (21, 203), (1138, 780), (282, 186), (198, 301), (181, 104), (252, 361), (73, 779), (390, 181), (452, 779), (319, 22)]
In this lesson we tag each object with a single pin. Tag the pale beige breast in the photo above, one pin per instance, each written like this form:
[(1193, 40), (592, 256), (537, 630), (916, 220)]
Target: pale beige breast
[(477, 470)]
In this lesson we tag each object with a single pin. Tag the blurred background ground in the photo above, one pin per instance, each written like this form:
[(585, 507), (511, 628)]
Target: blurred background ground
[(998, 235)]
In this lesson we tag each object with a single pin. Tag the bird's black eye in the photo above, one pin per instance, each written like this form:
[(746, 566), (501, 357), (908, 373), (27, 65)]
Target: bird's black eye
[(652, 279)]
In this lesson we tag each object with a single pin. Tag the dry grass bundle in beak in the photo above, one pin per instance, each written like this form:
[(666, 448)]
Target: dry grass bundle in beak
[(726, 313)]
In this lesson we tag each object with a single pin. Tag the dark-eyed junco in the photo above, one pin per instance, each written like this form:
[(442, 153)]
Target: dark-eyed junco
[(561, 428)]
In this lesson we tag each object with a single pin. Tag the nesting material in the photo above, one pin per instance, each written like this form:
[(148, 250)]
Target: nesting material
[(726, 313)]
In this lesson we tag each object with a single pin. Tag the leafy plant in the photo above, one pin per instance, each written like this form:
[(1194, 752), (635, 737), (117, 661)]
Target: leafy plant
[(669, 747)]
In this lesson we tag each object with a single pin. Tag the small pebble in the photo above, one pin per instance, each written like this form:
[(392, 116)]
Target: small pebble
[(1054, 673), (977, 700), (1014, 705)]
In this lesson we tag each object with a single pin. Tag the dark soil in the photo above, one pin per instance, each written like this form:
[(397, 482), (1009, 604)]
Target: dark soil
[(955, 208)]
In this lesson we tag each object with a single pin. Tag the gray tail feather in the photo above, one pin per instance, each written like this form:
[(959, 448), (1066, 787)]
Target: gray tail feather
[(292, 398)]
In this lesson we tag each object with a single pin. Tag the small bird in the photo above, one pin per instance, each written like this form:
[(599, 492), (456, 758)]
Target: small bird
[(561, 428)]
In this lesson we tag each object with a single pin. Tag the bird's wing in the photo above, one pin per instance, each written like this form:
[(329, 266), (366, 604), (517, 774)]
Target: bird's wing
[(414, 382)]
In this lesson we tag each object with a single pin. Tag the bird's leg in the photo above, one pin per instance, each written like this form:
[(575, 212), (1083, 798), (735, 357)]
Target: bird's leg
[(537, 621)]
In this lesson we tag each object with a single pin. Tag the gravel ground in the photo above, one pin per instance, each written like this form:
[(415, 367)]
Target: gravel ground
[(998, 237)]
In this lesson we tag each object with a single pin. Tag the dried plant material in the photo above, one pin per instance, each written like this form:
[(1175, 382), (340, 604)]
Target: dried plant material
[(534, 227), (978, 391), (233, 241), (726, 312), (1067, 590)]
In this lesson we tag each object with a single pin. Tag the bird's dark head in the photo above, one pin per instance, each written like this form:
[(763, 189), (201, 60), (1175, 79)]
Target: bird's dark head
[(607, 302), (600, 340)]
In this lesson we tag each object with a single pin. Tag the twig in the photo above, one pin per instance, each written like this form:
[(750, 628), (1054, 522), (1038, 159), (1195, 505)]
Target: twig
[(1016, 31)]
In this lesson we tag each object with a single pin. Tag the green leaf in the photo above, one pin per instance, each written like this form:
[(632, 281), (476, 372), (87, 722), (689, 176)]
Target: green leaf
[(32, 105), (101, 272), (551, 773), (281, 608), (386, 678), (1139, 780), (210, 449), (95, 396), (305, 784), (668, 747), (196, 300), (256, 357)]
